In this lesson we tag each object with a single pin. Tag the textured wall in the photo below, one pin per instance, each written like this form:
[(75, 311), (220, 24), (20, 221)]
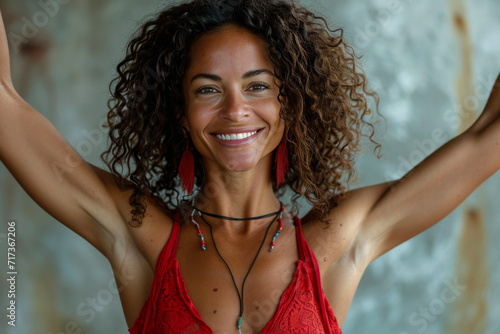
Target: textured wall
[(430, 61)]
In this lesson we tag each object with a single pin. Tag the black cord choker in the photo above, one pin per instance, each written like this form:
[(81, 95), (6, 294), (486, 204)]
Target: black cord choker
[(200, 213)]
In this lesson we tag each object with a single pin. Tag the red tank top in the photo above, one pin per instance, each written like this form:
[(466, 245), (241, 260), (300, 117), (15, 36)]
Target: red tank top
[(303, 307)]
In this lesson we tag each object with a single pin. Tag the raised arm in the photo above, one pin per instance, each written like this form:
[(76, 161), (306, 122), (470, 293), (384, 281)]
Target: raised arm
[(74, 192), (397, 211)]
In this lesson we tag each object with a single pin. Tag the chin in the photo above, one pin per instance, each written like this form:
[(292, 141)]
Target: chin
[(239, 167), (239, 164)]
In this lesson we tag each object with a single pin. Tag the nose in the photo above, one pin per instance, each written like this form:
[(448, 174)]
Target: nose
[(234, 107)]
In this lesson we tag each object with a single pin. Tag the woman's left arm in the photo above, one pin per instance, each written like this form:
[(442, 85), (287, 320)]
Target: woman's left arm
[(399, 210)]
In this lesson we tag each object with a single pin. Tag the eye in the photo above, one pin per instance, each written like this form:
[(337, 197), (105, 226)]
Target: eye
[(205, 90), (259, 86)]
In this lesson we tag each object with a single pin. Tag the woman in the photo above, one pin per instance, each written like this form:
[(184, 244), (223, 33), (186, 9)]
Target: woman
[(233, 101)]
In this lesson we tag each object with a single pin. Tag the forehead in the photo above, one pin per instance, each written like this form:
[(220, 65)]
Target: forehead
[(231, 48)]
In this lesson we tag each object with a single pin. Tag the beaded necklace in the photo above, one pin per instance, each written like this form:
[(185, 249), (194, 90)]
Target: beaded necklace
[(273, 243)]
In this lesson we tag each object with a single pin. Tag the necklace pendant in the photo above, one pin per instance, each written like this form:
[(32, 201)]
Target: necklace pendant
[(238, 324)]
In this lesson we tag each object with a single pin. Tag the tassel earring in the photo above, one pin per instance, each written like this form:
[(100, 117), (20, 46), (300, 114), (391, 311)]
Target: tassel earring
[(186, 170), (281, 160)]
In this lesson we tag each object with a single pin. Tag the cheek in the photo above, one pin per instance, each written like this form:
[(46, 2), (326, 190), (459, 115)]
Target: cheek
[(270, 105), (198, 115), (272, 111)]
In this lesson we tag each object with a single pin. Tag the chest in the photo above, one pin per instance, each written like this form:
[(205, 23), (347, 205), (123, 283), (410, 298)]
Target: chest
[(234, 279), (213, 284)]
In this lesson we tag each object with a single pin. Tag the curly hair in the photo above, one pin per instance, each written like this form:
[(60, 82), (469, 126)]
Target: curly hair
[(325, 94)]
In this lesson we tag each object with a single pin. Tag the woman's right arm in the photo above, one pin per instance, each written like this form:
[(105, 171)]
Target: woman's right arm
[(54, 175)]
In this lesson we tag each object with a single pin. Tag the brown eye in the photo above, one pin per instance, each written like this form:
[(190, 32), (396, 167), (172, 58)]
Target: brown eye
[(259, 87), (206, 90)]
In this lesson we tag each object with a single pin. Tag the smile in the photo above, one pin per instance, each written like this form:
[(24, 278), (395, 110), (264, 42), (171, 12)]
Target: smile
[(233, 138), (236, 136)]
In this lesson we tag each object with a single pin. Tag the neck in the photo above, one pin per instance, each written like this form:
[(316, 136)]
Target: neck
[(238, 195)]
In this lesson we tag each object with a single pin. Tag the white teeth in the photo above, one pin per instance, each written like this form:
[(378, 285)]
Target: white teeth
[(236, 136)]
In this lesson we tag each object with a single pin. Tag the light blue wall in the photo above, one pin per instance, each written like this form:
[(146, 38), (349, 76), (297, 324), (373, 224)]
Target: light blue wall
[(411, 58)]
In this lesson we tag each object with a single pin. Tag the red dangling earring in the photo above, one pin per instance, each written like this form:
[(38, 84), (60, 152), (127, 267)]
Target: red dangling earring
[(186, 170), (281, 160)]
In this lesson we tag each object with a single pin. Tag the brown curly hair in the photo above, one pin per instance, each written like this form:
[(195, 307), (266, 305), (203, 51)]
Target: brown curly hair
[(325, 95)]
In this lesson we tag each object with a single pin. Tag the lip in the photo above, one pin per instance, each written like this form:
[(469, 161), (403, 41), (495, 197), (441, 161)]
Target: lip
[(238, 142)]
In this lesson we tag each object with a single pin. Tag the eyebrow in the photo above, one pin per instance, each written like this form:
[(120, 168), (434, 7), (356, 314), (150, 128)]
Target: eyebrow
[(254, 73), (247, 75)]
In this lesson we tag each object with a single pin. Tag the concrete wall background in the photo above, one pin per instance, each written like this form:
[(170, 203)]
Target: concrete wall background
[(412, 59)]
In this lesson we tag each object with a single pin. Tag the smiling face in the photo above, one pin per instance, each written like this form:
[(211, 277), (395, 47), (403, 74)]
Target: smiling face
[(231, 100)]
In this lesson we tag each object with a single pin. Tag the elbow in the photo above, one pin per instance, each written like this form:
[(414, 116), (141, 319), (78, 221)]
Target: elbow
[(487, 143), (9, 96)]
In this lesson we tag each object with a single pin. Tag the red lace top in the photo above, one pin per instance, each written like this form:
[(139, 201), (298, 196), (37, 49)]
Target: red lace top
[(303, 307)]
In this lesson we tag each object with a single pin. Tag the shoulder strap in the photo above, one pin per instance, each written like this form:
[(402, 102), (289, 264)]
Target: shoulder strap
[(166, 256), (307, 255), (301, 242)]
